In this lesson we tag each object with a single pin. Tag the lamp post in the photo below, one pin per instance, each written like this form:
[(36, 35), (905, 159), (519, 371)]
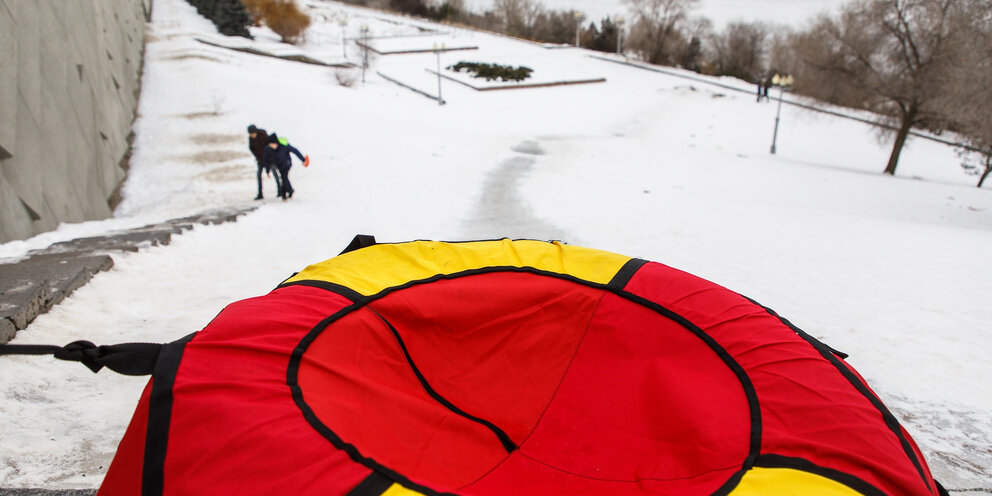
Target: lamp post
[(365, 50), (343, 21), (437, 51), (578, 27), (619, 35), (783, 83)]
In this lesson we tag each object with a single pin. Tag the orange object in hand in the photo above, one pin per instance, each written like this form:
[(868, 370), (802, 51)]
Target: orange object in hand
[(306, 161)]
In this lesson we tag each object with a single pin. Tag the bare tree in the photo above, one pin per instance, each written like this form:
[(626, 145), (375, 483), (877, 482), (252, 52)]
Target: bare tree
[(555, 26), (656, 31), (978, 163), (518, 16), (446, 10), (970, 99), (783, 58), (691, 53), (895, 55), (740, 51), (603, 40)]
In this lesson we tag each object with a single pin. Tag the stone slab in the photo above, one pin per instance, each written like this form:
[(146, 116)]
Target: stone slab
[(32, 287), (7, 330), (216, 216), (130, 241), (22, 299)]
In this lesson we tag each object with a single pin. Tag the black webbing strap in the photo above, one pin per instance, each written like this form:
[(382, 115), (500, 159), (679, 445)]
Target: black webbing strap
[(28, 349), (373, 485), (360, 241), (126, 358), (160, 416)]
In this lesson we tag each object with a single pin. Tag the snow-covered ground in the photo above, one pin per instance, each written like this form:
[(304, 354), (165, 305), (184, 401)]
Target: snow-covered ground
[(889, 269), (792, 13)]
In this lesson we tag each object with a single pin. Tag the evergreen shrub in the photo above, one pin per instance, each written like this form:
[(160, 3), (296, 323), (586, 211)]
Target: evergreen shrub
[(493, 71), (230, 16)]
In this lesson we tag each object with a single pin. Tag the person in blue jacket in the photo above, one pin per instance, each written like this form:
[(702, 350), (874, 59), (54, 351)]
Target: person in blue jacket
[(277, 155)]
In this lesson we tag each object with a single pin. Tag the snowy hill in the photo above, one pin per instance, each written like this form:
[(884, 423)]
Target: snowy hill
[(888, 269), (720, 12)]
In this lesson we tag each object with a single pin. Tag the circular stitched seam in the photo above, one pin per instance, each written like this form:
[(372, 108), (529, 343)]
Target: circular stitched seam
[(355, 454)]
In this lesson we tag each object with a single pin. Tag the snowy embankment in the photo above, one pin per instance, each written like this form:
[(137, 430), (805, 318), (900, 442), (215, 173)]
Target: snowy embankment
[(719, 12), (890, 270)]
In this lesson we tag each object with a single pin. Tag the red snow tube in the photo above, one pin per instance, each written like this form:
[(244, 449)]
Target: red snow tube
[(507, 367)]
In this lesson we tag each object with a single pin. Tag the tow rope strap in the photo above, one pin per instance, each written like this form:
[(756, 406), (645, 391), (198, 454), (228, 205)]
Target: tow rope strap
[(126, 358)]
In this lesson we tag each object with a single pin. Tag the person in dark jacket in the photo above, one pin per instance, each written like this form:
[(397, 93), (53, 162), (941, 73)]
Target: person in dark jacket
[(258, 139), (277, 156)]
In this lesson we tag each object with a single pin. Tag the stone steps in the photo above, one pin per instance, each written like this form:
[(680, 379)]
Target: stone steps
[(33, 286)]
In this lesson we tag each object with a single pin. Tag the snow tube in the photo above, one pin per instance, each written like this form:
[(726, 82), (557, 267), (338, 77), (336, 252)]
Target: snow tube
[(507, 367)]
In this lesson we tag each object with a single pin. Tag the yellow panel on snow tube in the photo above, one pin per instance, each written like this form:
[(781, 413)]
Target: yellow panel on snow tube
[(398, 490), (375, 269), (789, 482)]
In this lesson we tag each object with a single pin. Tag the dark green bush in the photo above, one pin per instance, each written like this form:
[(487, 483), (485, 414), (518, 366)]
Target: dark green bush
[(230, 16), (493, 72)]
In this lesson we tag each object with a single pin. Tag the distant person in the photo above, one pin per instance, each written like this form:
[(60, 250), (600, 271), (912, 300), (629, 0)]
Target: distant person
[(764, 95), (760, 90), (277, 155), (258, 139)]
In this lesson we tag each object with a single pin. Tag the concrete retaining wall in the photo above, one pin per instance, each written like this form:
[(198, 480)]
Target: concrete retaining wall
[(69, 82)]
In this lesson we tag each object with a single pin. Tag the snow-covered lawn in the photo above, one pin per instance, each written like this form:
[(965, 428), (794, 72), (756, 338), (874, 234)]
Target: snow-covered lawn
[(889, 269), (720, 12)]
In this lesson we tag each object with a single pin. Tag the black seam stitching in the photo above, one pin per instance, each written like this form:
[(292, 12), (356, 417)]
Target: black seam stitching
[(504, 439), (755, 412), (749, 392), (350, 294), (634, 481), (801, 464), (890, 420), (555, 393), (292, 373)]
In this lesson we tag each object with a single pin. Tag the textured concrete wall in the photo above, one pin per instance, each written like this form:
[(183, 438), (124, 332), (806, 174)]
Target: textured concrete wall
[(69, 82)]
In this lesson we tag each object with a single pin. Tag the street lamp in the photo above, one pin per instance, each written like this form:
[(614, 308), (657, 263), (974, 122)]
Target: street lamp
[(619, 35), (578, 27), (343, 21), (437, 51), (365, 49), (783, 83)]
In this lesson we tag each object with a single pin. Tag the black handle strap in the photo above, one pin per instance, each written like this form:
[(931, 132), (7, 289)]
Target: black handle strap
[(360, 241), (126, 358)]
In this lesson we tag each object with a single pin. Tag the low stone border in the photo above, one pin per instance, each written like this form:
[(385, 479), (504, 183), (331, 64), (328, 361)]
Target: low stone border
[(291, 58), (411, 88), (520, 86), (415, 50), (33, 286)]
